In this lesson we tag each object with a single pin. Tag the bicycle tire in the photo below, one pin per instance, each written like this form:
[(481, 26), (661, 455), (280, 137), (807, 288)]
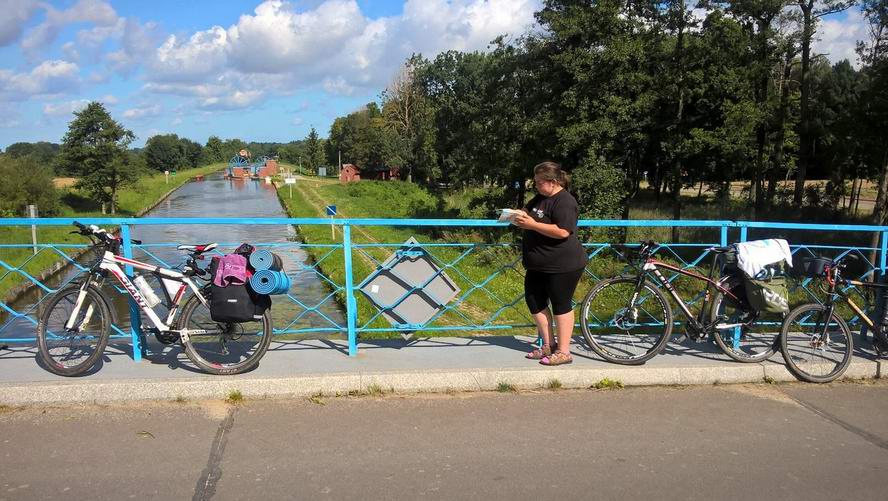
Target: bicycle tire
[(57, 351), (212, 352), (800, 348), (600, 315), (749, 343)]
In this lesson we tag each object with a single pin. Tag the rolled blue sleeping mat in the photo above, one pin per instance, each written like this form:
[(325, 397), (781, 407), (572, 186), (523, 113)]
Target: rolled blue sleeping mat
[(266, 260), (270, 282)]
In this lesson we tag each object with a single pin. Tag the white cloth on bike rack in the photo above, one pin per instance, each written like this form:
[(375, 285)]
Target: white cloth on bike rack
[(754, 256)]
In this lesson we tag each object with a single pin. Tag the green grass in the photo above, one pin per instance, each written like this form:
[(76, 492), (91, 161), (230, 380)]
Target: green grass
[(504, 387), (608, 384), (234, 397), (403, 200), (553, 384), (318, 398), (374, 390), (142, 195)]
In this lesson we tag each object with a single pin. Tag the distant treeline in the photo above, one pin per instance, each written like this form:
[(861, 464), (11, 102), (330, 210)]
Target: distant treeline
[(170, 152)]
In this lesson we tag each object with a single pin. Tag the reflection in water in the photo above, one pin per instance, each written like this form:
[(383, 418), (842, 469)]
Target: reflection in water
[(218, 198)]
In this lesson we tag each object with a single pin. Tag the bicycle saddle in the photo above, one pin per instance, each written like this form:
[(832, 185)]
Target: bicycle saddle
[(198, 248), (721, 250)]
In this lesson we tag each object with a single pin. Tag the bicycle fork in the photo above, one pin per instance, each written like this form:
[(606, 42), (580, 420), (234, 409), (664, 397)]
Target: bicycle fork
[(72, 320), (821, 340)]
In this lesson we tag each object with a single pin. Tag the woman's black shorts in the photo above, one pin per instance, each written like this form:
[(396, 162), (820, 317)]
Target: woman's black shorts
[(558, 288)]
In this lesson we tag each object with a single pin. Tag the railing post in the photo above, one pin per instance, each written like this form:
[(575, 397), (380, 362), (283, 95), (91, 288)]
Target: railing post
[(743, 230), (351, 307), (135, 314), (724, 236), (883, 259)]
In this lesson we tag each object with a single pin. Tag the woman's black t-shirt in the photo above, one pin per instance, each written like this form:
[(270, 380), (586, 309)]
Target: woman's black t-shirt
[(553, 255)]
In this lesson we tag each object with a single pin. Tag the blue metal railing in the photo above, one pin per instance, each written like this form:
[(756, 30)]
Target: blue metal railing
[(503, 308)]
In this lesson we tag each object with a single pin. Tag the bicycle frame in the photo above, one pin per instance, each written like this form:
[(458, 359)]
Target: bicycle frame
[(653, 266), (111, 263), (834, 290)]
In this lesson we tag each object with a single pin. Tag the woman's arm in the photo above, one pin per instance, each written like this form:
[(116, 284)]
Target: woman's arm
[(527, 222)]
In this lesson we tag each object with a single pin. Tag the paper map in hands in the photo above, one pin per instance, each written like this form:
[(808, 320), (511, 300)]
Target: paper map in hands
[(507, 215)]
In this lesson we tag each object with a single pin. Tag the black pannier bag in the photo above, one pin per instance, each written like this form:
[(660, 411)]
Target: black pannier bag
[(235, 303), (810, 267)]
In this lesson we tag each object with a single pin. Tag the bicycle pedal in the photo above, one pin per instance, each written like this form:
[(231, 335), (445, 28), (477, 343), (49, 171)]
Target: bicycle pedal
[(166, 337)]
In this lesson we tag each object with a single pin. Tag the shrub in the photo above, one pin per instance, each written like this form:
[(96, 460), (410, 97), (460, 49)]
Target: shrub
[(24, 182)]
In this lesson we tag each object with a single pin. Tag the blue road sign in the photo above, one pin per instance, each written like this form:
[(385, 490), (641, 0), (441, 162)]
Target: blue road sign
[(331, 210)]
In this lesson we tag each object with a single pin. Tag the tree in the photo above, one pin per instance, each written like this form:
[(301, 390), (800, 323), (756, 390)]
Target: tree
[(26, 181), (231, 147), (213, 151), (314, 150), (191, 152), (43, 152), (164, 152), (812, 10), (361, 138), (94, 148), (874, 120), (409, 115)]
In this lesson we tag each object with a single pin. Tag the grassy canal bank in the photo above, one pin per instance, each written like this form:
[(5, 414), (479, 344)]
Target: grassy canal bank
[(134, 201)]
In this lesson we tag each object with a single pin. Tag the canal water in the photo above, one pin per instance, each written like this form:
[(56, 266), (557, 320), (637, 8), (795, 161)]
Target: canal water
[(310, 310)]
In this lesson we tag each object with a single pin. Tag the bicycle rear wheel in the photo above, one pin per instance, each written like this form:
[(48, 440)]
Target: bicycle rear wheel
[(75, 350), (740, 339), (620, 331), (814, 353), (222, 347)]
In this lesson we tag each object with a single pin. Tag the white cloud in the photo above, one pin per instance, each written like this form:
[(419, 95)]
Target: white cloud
[(276, 38), (195, 59), (235, 101), (837, 38), (97, 12), (137, 44), (277, 50), (176, 121), (297, 121), (144, 111), (50, 77), (338, 86), (15, 14), (64, 109), (109, 99)]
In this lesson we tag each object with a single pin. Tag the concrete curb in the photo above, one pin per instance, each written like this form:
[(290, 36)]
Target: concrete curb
[(399, 382)]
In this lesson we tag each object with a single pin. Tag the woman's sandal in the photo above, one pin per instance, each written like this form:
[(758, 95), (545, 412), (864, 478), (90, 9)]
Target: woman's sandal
[(539, 353), (557, 358)]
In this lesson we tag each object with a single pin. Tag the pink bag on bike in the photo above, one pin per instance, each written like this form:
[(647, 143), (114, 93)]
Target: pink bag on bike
[(231, 270)]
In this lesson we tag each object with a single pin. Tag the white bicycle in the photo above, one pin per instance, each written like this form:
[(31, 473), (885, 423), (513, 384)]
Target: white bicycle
[(75, 325)]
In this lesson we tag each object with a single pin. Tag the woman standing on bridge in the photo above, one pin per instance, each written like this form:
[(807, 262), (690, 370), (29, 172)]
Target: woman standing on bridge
[(554, 260)]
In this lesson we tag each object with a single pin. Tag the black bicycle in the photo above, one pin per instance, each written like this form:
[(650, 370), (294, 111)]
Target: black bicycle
[(815, 339), (627, 319)]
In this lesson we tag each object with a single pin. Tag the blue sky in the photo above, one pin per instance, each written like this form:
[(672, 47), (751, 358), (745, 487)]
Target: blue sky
[(258, 71)]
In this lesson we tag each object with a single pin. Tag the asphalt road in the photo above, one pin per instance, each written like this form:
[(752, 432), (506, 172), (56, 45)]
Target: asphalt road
[(788, 441)]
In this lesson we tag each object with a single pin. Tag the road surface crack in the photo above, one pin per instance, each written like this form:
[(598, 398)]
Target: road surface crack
[(869, 437), (206, 485)]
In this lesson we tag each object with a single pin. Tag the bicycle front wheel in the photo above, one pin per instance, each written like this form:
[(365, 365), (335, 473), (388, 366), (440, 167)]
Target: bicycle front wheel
[(816, 349), (620, 330), (222, 347), (71, 339), (740, 333)]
